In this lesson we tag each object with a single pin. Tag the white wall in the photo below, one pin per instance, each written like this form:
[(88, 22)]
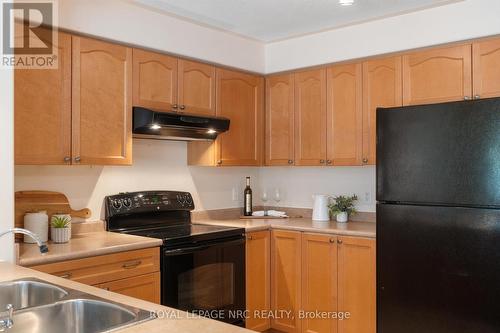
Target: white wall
[(158, 165), (120, 20), (455, 22), (6, 162)]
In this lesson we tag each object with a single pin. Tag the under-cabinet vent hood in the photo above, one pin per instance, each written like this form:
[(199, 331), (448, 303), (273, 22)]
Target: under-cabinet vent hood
[(151, 124)]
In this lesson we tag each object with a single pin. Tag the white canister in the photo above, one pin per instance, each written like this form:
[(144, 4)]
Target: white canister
[(37, 223), (68, 217)]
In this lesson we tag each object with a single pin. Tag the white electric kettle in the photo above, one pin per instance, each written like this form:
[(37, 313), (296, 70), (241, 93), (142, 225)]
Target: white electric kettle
[(320, 208)]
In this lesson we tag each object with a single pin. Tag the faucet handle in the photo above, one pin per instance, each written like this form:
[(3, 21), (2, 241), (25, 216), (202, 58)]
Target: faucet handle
[(7, 322)]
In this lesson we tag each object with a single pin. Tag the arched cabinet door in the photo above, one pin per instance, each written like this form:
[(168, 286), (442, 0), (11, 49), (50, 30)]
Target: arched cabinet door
[(101, 103), (486, 68), (196, 88)]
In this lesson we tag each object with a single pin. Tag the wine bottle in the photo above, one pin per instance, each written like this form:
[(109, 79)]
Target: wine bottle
[(247, 207)]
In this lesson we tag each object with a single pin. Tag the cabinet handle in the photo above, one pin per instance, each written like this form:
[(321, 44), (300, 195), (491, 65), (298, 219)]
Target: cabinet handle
[(66, 275), (328, 162), (466, 98), (106, 288), (219, 162), (339, 241), (477, 96), (322, 161), (175, 106), (131, 264), (182, 107), (290, 161), (365, 160), (249, 237), (67, 159), (332, 240), (78, 159)]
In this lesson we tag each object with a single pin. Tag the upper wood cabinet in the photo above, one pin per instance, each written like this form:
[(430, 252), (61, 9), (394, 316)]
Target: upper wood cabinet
[(382, 87), (196, 88), (258, 279), (155, 80), (486, 68), (437, 75), (356, 284), (280, 120), (286, 269), (319, 281), (42, 103), (345, 114), (101, 102), (310, 117)]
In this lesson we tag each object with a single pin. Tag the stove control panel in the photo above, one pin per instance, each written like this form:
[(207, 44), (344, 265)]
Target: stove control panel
[(148, 201)]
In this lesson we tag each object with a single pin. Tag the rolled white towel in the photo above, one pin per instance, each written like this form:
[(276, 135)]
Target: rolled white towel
[(274, 213), (258, 213)]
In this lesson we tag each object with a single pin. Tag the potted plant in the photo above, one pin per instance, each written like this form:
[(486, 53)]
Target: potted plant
[(60, 228), (342, 207)]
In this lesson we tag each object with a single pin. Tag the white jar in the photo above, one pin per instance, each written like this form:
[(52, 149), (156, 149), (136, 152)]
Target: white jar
[(37, 223)]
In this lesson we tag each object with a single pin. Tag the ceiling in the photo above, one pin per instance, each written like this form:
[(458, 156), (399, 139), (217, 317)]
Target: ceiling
[(271, 20)]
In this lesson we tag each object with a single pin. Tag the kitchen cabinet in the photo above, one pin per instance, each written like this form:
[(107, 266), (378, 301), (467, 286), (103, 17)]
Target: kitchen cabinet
[(101, 102), (42, 117), (310, 117), (344, 114), (319, 281), (437, 75), (154, 80), (240, 97), (133, 273), (196, 88), (145, 287), (280, 120), (486, 68), (382, 87), (356, 284), (258, 279), (286, 279)]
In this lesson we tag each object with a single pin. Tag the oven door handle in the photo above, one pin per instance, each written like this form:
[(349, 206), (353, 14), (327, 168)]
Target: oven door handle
[(187, 250)]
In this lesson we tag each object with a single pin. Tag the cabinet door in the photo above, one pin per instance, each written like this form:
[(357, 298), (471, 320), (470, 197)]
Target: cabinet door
[(382, 87), (101, 103), (345, 114), (310, 117), (279, 120), (145, 287), (155, 80), (258, 279), (437, 75), (319, 281), (286, 279), (42, 102), (486, 69), (240, 97), (356, 284), (196, 88)]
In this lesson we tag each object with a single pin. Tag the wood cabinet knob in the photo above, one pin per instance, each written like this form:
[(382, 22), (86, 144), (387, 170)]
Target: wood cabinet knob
[(322, 161), (466, 98), (332, 240), (477, 96), (219, 162), (67, 159), (328, 161), (78, 159), (365, 160), (249, 237), (175, 106), (66, 275), (290, 161), (339, 241), (182, 107)]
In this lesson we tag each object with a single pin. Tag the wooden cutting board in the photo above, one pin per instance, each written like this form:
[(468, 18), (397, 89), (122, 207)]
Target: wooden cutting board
[(52, 202)]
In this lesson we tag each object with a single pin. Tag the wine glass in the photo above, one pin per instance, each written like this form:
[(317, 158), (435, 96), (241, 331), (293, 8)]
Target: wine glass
[(264, 199), (277, 196)]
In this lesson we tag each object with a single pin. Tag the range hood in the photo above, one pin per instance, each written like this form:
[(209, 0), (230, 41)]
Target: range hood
[(151, 124)]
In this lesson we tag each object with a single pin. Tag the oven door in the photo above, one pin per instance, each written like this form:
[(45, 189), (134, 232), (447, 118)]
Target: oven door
[(206, 279)]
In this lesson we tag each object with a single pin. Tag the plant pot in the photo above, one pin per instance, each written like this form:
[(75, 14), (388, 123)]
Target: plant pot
[(342, 217), (60, 235)]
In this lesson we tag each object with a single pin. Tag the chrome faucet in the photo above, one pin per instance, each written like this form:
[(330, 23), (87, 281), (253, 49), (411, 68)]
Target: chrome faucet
[(43, 248), (7, 322)]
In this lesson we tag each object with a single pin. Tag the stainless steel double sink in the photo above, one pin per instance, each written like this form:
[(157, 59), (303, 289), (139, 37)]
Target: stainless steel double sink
[(41, 307)]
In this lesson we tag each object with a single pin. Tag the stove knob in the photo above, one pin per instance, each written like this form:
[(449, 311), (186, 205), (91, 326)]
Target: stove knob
[(127, 202), (189, 200), (181, 199), (117, 203)]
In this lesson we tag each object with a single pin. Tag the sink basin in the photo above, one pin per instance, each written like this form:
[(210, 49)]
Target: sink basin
[(28, 293), (76, 316)]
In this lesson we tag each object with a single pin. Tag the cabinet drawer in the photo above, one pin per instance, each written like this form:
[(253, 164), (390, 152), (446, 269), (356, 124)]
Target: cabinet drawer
[(145, 287), (100, 269)]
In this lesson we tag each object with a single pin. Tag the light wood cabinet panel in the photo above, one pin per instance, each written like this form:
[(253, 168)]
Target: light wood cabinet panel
[(356, 284), (42, 101), (345, 114), (240, 97), (310, 117), (101, 103), (286, 279), (319, 281), (258, 279), (196, 88), (382, 87), (280, 120), (486, 68), (437, 75), (105, 268), (155, 80), (145, 287)]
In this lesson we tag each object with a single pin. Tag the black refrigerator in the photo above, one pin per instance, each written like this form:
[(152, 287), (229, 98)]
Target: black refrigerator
[(438, 218)]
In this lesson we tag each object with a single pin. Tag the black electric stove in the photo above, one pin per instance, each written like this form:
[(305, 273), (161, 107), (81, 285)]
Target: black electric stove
[(202, 266)]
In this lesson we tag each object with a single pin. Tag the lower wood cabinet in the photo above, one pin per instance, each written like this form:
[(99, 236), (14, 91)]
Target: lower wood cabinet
[(132, 273), (258, 279)]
